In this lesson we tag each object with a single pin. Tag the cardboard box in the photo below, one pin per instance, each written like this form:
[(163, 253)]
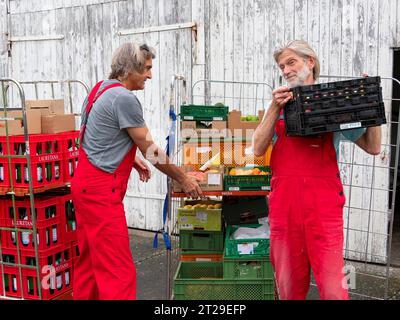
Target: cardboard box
[(238, 128), (47, 107), (190, 129), (58, 123), (244, 210), (16, 127), (214, 179)]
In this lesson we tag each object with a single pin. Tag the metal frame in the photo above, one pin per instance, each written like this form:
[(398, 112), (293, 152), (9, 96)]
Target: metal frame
[(178, 92), (5, 85), (173, 258), (390, 211)]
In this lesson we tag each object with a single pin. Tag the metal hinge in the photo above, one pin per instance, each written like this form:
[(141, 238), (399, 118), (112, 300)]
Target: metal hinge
[(9, 45)]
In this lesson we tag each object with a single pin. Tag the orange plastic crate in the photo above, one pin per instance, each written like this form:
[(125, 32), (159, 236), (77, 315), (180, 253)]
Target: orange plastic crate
[(196, 154)]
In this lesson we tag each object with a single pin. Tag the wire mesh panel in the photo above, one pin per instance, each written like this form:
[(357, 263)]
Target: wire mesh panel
[(32, 238), (369, 183), (247, 97)]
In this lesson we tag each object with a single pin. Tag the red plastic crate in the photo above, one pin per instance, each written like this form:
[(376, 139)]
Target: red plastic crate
[(48, 237), (46, 158), (70, 149), (48, 211), (11, 279), (56, 273)]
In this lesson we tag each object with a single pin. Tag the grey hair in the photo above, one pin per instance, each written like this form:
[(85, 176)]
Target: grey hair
[(304, 50), (130, 57)]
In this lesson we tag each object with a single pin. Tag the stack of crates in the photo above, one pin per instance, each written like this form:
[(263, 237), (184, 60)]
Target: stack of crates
[(244, 273), (201, 234), (334, 106), (53, 161)]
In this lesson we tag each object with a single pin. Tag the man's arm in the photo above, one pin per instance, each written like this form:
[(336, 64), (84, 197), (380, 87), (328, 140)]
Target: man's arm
[(265, 130), (144, 141), (370, 141)]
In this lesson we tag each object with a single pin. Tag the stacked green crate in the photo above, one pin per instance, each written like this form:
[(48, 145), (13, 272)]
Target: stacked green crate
[(201, 231), (205, 281), (204, 112), (248, 259), (201, 242)]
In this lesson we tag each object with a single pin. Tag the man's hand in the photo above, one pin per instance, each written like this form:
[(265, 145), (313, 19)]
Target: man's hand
[(143, 169), (281, 96), (191, 187)]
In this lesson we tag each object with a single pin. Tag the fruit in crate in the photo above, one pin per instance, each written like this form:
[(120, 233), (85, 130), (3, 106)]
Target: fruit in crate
[(203, 206), (247, 172), (249, 118)]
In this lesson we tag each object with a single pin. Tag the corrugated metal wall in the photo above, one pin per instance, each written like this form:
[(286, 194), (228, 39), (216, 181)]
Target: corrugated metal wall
[(235, 40)]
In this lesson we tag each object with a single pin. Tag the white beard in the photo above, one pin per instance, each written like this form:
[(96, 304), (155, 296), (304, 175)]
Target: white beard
[(300, 78)]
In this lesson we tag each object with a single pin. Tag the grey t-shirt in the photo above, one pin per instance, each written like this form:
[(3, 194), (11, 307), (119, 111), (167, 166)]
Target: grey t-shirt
[(106, 141)]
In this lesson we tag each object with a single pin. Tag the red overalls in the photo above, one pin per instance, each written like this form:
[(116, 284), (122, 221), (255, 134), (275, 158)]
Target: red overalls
[(306, 216), (105, 269)]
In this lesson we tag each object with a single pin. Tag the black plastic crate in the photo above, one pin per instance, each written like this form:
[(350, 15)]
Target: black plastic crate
[(335, 106)]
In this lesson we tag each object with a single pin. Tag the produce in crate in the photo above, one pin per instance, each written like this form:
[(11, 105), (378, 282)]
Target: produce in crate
[(247, 172), (249, 118), (203, 206)]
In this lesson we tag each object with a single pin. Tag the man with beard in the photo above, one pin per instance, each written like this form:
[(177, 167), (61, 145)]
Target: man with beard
[(307, 198)]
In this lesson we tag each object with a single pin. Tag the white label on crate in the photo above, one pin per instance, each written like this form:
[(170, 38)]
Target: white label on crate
[(246, 248), (350, 125), (214, 179), (218, 118), (234, 189), (264, 188), (248, 151), (188, 118), (203, 149), (201, 216)]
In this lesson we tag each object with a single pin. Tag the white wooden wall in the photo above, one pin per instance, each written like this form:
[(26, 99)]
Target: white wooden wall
[(235, 41)]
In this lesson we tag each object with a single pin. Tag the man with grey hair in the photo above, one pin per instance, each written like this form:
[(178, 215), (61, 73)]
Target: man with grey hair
[(307, 199), (112, 129)]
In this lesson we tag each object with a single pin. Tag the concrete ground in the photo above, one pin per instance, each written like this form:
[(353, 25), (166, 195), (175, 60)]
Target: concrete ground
[(369, 281)]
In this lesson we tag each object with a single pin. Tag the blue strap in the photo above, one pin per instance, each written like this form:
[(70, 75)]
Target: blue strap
[(169, 150)]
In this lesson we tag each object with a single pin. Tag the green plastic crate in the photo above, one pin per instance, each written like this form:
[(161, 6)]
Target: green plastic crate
[(255, 268), (204, 113), (204, 281), (197, 241), (247, 182), (235, 248)]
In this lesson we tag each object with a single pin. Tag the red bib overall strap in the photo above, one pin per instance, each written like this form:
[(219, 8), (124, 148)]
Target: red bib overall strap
[(93, 96), (306, 216)]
